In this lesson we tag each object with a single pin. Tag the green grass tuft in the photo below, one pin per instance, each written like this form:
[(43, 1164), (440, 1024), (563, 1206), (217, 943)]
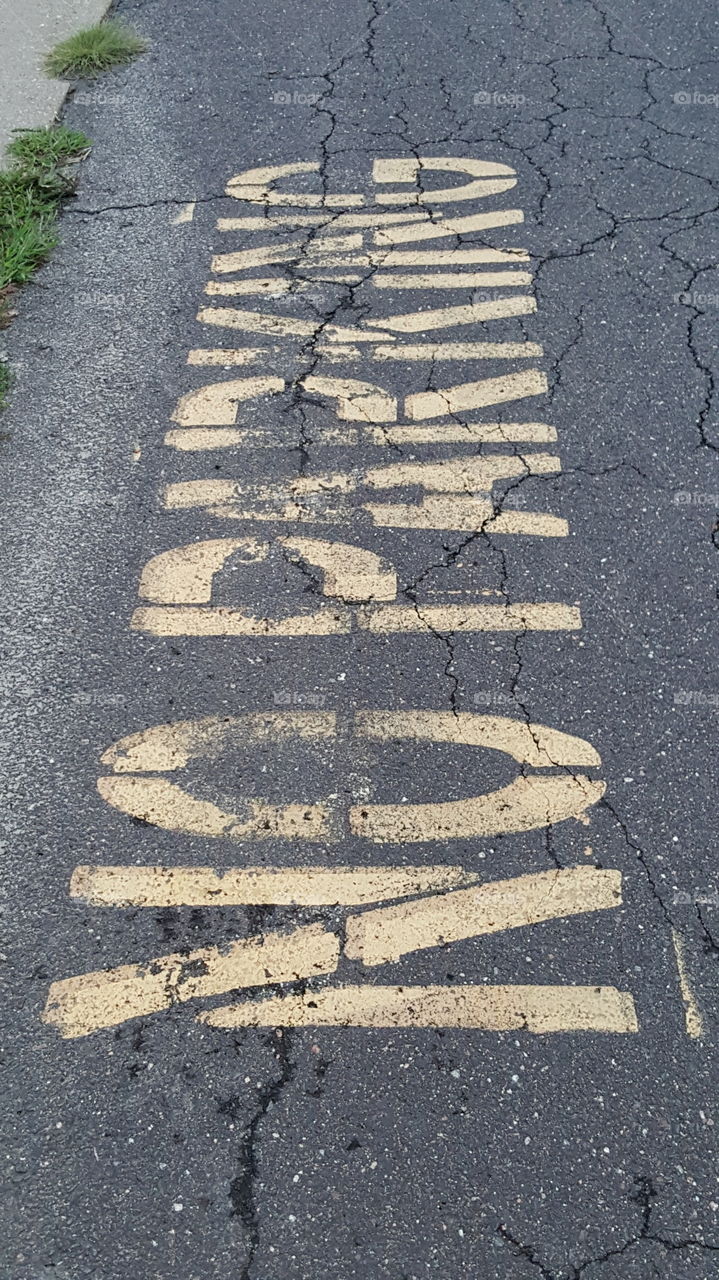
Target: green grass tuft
[(47, 147), (5, 383), (30, 193), (88, 52)]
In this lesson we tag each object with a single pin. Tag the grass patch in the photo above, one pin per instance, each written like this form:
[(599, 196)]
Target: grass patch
[(39, 177), (30, 194), (47, 148), (5, 383), (96, 49)]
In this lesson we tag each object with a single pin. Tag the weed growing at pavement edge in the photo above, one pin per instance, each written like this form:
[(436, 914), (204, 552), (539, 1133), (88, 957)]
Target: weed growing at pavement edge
[(88, 52), (30, 193), (5, 381)]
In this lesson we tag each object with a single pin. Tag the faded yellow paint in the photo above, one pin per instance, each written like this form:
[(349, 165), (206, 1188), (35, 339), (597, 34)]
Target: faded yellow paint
[(257, 186), (466, 474), (191, 620), (454, 280), (322, 219), (526, 804), (447, 257), (344, 333), (348, 572), (356, 401), (216, 403), (291, 251), (391, 619), (186, 214), (437, 511), (108, 997), (291, 327), (474, 395), (129, 886), (184, 575), (460, 476), (535, 745), (337, 354), (448, 227), (385, 620), (448, 317), (257, 322), (388, 933), (257, 285), (165, 804), (458, 351), (198, 493), (228, 356), (537, 1009), (489, 179), (172, 746), (198, 439), (693, 1019), (468, 433)]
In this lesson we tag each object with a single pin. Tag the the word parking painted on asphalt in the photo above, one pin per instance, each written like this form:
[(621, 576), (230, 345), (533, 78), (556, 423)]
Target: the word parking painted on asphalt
[(389, 912)]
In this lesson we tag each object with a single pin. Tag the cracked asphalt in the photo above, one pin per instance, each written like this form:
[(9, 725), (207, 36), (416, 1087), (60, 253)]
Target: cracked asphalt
[(167, 1149)]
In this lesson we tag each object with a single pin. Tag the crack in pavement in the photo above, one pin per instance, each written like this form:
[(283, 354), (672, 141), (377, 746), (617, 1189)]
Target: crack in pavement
[(242, 1192), (643, 1195)]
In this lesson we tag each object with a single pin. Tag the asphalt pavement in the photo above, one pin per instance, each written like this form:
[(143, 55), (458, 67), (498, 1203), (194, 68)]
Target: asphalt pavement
[(359, 655)]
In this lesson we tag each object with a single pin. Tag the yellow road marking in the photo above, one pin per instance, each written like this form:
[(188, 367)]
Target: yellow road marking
[(435, 511), (483, 1008), (290, 327), (243, 259), (489, 179), (257, 186), (184, 575), (189, 620), (448, 227), (448, 317), (126, 886), (527, 804), (388, 933), (441, 433), (219, 355), (390, 619), (173, 745), (186, 214), (196, 439), (216, 403), (452, 475), (447, 257), (535, 745), (322, 219), (267, 285), (440, 512), (257, 322), (469, 432), (356, 401), (454, 280), (81, 1005), (457, 475), (164, 804), (474, 395), (456, 351), (693, 1019)]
